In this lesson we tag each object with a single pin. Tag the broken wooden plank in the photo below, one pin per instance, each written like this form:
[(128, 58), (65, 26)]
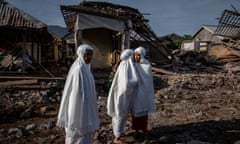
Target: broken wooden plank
[(221, 52), (32, 86), (18, 82), (32, 77), (160, 70)]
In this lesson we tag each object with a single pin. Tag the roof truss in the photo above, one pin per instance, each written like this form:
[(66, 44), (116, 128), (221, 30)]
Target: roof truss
[(140, 31), (229, 24)]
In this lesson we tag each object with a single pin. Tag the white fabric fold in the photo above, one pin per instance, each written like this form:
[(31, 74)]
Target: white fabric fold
[(123, 88), (78, 108), (144, 100)]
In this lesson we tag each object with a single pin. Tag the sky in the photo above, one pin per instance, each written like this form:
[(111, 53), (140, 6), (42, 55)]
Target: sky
[(165, 16)]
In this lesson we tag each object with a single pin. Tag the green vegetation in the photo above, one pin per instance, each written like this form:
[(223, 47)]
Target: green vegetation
[(176, 44)]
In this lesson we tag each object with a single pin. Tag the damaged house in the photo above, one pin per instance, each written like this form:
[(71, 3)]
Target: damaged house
[(206, 34), (229, 28), (222, 42), (110, 28), (25, 41), (202, 39), (216, 45)]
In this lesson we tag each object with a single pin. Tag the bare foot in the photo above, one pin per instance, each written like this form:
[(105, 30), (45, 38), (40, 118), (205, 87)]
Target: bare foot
[(117, 141)]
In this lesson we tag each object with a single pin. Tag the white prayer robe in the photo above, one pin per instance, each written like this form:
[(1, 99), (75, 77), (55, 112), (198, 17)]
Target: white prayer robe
[(78, 109), (74, 137), (144, 100), (123, 88)]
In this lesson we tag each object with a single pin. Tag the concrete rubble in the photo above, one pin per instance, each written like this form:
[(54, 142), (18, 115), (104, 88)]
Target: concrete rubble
[(191, 109)]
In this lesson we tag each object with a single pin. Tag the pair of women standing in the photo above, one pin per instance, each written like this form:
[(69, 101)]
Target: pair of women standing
[(131, 91)]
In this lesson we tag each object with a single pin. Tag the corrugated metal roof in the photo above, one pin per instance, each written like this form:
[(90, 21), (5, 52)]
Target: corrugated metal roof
[(14, 17)]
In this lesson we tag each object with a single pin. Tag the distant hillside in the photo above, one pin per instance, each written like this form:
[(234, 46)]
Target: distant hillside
[(57, 30)]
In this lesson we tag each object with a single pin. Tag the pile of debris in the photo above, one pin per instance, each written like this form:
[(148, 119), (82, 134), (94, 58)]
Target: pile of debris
[(191, 109), (17, 61), (218, 58)]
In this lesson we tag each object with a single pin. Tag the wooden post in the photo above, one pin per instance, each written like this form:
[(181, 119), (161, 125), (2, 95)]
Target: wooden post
[(126, 36), (77, 34)]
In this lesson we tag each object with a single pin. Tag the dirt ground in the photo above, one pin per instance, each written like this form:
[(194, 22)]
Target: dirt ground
[(191, 109)]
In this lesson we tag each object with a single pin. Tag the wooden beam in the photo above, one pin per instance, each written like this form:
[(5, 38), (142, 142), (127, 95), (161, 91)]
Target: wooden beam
[(17, 82)]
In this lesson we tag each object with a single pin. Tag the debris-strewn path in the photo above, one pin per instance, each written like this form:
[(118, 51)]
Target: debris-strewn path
[(191, 109)]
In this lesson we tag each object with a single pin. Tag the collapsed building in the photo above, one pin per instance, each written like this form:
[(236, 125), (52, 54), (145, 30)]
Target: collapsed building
[(110, 28), (25, 41), (216, 46), (228, 28), (224, 38)]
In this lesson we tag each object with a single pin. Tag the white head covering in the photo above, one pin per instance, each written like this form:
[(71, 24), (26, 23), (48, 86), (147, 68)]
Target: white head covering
[(126, 54), (123, 87), (144, 101), (81, 51), (78, 109), (142, 52)]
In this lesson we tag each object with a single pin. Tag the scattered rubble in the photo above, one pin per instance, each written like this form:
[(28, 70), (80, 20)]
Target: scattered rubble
[(191, 109)]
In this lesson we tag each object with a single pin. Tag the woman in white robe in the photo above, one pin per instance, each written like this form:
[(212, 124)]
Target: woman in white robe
[(121, 93), (144, 100), (78, 112)]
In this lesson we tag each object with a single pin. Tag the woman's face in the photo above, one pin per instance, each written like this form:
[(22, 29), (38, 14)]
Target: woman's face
[(137, 57), (88, 56)]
